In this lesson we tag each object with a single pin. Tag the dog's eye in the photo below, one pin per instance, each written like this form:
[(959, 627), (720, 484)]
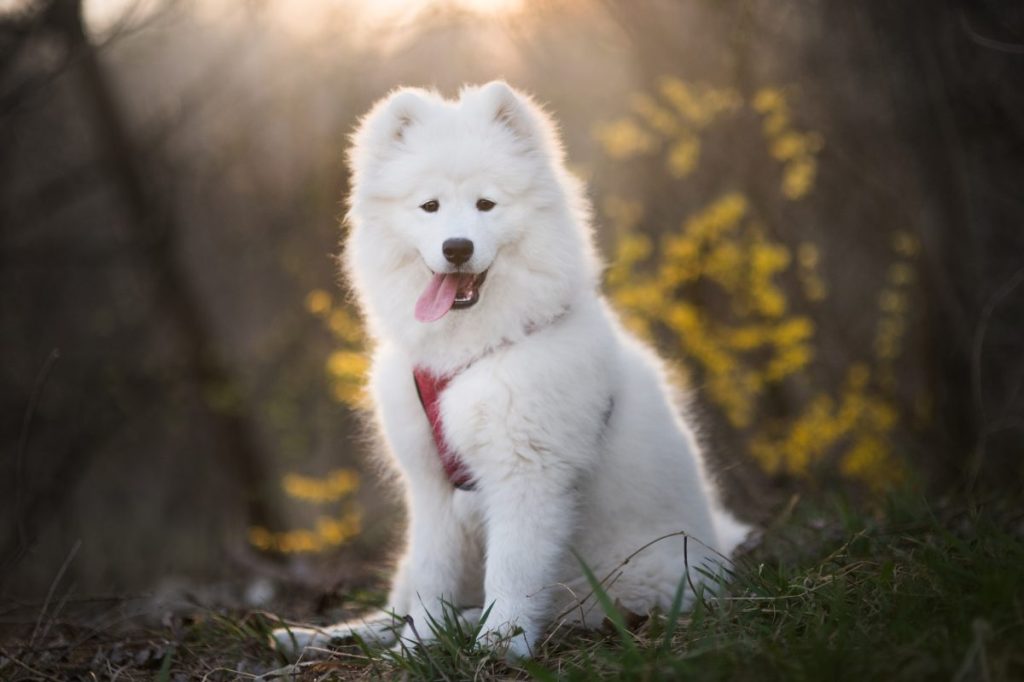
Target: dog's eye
[(431, 206), (484, 204)]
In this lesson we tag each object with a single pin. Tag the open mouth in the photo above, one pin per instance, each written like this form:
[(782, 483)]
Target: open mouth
[(467, 293), (447, 291)]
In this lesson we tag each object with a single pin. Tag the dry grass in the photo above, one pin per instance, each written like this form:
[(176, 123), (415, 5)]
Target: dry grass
[(912, 593)]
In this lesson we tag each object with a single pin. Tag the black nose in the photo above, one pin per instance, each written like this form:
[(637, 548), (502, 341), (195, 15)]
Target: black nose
[(458, 250)]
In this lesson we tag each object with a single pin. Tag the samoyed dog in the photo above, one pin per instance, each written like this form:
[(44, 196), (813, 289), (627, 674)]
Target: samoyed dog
[(531, 432)]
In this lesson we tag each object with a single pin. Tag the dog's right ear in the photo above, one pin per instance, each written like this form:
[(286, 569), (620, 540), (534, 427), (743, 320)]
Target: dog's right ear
[(517, 113), (383, 129)]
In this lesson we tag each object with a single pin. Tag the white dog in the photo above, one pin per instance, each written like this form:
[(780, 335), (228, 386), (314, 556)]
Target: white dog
[(528, 427)]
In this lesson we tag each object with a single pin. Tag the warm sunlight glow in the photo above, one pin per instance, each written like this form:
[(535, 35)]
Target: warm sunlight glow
[(299, 18), (13, 6), (406, 7)]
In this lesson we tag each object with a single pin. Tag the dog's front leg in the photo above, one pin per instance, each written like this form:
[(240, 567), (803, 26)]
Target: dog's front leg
[(433, 564), (531, 513), (433, 569)]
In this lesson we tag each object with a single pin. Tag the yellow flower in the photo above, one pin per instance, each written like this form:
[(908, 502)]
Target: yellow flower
[(723, 215), (348, 393), (658, 118), (699, 106), (345, 363), (870, 460), (318, 301), (725, 264), (749, 337), (770, 302), (334, 532), (333, 487), (766, 259), (798, 178), (793, 331), (808, 255), (644, 297), (769, 99), (624, 139), (681, 97), (634, 248), (346, 327), (753, 340), (788, 361), (682, 156), (261, 538), (788, 146)]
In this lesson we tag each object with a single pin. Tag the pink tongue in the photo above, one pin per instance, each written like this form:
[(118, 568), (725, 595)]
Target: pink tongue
[(437, 298)]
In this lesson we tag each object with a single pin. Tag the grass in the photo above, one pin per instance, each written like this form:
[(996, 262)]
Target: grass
[(913, 596), (913, 592)]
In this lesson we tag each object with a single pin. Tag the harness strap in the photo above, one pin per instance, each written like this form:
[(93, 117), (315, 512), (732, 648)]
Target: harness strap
[(429, 388)]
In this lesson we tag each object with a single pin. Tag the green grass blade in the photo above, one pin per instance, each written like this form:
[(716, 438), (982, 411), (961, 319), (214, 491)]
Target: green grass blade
[(613, 614)]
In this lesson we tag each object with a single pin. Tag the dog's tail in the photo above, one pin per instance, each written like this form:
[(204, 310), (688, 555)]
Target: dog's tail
[(731, 531)]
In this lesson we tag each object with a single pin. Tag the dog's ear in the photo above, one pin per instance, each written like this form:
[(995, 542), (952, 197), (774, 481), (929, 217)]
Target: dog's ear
[(385, 126), (516, 112)]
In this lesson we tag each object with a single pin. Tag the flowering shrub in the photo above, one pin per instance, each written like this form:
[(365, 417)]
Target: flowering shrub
[(762, 333)]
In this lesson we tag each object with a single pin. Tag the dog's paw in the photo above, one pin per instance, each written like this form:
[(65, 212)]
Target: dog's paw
[(379, 630), (296, 642), (419, 630), (510, 642)]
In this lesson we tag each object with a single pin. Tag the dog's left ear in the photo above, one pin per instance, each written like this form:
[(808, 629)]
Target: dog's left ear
[(516, 112), (383, 130)]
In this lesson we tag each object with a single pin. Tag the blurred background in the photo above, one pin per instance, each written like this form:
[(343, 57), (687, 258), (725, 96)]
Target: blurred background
[(815, 210)]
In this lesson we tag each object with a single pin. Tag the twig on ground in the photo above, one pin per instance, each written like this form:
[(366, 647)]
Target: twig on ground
[(19, 462), (615, 572), (27, 667), (53, 587)]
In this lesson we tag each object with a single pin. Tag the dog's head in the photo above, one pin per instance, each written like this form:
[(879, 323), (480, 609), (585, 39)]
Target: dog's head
[(464, 209)]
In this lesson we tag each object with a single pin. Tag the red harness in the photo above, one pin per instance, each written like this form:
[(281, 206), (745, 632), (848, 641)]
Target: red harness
[(429, 388)]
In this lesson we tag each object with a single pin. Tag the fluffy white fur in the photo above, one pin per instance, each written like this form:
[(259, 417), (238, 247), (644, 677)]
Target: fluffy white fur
[(564, 418)]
